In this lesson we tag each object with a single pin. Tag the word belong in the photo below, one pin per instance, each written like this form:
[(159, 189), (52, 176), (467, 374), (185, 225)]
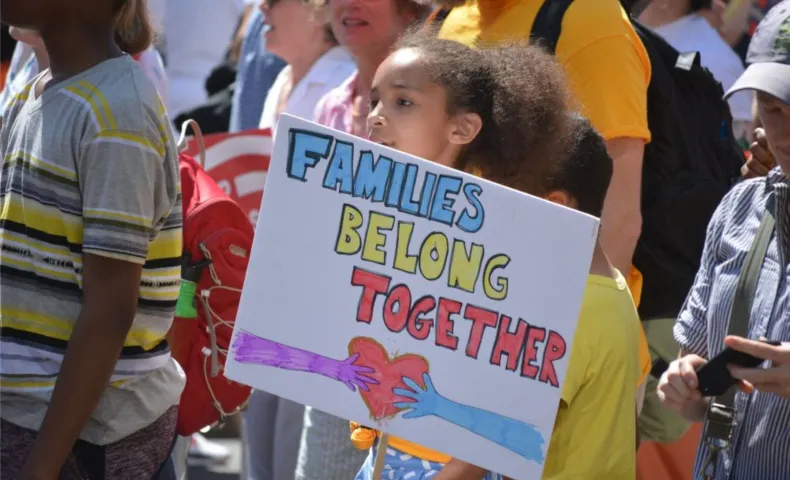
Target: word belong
[(433, 256)]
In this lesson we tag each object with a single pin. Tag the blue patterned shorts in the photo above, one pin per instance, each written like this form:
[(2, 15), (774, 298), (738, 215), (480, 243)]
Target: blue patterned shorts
[(402, 466)]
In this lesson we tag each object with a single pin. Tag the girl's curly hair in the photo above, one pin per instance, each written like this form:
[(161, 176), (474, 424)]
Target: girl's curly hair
[(520, 93)]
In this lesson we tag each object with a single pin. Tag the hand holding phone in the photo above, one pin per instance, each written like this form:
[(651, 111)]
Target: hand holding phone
[(714, 378)]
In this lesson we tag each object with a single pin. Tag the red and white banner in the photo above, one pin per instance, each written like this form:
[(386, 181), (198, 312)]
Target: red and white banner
[(238, 162)]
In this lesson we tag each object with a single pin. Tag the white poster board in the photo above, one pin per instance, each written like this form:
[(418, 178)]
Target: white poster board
[(377, 279)]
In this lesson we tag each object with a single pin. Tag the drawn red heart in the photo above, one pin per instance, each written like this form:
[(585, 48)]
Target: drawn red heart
[(388, 372)]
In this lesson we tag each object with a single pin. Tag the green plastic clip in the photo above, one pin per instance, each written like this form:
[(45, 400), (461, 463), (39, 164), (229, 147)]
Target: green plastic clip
[(185, 306)]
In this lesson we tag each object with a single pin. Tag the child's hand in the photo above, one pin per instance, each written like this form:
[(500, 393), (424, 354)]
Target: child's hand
[(426, 402)]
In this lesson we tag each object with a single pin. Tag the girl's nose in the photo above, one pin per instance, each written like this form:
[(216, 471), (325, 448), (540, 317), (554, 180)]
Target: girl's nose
[(375, 119)]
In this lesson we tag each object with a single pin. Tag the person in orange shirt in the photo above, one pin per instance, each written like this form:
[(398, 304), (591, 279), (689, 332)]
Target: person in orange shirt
[(609, 72)]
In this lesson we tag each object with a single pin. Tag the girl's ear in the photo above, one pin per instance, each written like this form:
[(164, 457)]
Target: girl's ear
[(561, 197), (464, 128)]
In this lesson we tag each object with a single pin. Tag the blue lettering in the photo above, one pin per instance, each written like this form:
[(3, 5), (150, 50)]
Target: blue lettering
[(441, 207), (341, 168), (305, 149), (425, 196), (371, 181), (467, 222), (395, 187), (407, 204)]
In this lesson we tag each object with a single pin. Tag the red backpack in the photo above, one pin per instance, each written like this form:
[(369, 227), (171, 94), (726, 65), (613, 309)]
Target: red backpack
[(217, 242)]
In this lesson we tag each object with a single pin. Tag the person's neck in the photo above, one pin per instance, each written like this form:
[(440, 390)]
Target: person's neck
[(601, 265), (41, 58), (656, 15), (73, 51), (301, 65)]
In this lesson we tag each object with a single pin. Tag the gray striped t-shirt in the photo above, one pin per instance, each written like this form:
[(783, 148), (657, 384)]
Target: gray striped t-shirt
[(89, 167)]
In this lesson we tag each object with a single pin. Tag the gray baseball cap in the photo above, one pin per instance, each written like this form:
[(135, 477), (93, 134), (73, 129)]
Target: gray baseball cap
[(769, 56)]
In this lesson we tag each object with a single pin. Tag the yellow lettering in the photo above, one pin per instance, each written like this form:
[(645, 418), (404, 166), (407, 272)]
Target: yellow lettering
[(464, 268), (433, 255), (403, 261), (496, 262), (371, 251), (348, 239)]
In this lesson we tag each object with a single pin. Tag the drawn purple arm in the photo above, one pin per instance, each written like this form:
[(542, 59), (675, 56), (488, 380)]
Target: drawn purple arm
[(250, 348)]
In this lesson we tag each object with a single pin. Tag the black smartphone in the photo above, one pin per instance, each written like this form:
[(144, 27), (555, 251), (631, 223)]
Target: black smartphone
[(714, 379)]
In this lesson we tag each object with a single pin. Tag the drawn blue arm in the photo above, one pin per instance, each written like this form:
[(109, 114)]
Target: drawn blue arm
[(517, 436)]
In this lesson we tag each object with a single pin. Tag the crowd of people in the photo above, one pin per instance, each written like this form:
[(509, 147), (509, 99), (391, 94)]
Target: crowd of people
[(91, 216)]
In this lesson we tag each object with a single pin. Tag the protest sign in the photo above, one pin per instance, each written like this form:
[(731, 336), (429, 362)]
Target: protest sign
[(238, 163), (412, 298)]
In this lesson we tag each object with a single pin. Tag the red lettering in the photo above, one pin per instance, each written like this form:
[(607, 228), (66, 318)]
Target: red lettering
[(481, 318), (372, 284), (396, 320), (420, 328), (511, 344), (555, 350), (528, 368), (445, 325)]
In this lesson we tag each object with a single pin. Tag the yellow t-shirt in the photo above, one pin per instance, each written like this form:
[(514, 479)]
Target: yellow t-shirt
[(607, 65), (594, 433)]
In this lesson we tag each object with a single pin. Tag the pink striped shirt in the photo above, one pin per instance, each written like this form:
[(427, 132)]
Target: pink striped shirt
[(336, 108)]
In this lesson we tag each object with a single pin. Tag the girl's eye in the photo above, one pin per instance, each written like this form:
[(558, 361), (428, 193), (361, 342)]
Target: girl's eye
[(402, 102), (372, 104)]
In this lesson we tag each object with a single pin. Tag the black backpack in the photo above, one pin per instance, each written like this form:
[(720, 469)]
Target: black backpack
[(691, 162)]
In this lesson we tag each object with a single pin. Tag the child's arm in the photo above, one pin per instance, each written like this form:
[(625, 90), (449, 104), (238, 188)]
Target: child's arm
[(458, 470), (110, 302), (515, 435), (253, 349)]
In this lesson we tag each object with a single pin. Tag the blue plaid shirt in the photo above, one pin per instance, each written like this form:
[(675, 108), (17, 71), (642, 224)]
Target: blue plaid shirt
[(256, 73)]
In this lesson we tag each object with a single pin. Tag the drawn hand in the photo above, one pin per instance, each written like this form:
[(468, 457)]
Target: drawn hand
[(355, 375), (426, 402)]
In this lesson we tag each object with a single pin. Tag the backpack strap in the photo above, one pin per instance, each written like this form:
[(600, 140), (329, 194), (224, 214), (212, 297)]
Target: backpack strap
[(547, 27), (182, 141), (721, 410)]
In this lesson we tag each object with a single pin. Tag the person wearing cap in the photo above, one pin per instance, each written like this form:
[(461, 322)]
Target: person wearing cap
[(758, 446)]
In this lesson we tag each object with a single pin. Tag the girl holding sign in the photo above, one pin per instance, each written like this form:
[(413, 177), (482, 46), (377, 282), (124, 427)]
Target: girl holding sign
[(468, 109)]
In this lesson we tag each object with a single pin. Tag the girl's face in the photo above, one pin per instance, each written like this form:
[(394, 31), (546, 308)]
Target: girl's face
[(775, 117), (367, 25), (283, 18), (408, 112)]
